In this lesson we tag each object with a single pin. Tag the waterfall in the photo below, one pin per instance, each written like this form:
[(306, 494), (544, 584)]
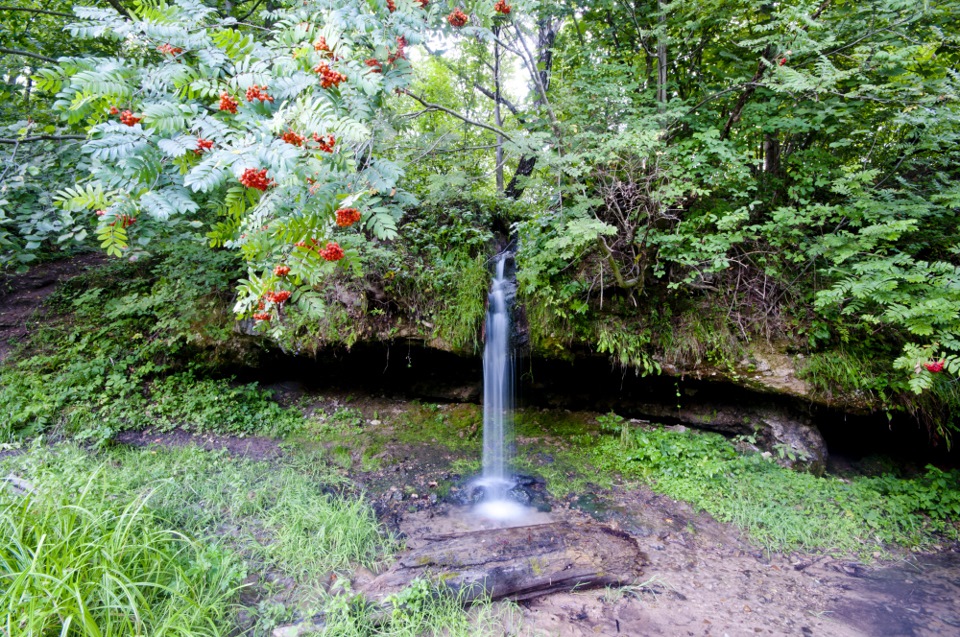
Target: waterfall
[(498, 363)]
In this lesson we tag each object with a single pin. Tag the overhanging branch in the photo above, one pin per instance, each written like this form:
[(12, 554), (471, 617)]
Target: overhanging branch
[(39, 138), (28, 54), (437, 107), (44, 11)]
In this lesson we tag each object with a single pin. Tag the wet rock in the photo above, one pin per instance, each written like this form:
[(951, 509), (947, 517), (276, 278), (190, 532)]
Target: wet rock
[(530, 491)]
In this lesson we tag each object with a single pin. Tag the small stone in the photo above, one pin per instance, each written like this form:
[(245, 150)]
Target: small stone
[(375, 422), (432, 484)]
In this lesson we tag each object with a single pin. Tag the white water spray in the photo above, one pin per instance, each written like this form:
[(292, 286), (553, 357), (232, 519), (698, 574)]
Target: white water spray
[(498, 364)]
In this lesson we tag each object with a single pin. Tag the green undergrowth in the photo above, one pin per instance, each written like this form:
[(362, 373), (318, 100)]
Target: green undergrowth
[(779, 508), (135, 345)]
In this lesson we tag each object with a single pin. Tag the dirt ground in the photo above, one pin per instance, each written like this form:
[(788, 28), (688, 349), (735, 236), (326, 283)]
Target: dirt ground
[(21, 296), (704, 579)]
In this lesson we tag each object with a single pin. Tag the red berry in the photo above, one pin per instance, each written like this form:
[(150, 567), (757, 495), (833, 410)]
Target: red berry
[(332, 252), (934, 367), (227, 103), (328, 77), (253, 178), (128, 118), (257, 92), (325, 144), (203, 145), (281, 270), (114, 110), (321, 45), (261, 316), (391, 6), (457, 19), (169, 49), (374, 65), (502, 7), (347, 217), (292, 138)]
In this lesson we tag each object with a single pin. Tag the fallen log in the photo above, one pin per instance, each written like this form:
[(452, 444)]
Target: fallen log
[(518, 563)]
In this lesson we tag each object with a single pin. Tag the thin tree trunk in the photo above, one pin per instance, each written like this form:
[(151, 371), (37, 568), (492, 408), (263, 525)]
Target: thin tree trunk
[(496, 108)]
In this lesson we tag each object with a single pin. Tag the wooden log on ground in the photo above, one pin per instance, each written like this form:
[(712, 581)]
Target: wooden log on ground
[(518, 563)]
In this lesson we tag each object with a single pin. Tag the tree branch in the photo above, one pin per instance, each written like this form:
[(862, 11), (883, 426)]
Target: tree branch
[(437, 107), (250, 12), (27, 54), (491, 95), (119, 8), (37, 138), (44, 11)]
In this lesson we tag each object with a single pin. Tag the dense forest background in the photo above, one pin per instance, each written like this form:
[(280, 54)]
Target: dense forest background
[(680, 179)]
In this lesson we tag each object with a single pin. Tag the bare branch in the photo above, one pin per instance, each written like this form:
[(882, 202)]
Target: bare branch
[(38, 138), (44, 11), (437, 107), (28, 54)]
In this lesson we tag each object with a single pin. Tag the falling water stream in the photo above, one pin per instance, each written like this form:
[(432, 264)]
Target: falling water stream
[(498, 363)]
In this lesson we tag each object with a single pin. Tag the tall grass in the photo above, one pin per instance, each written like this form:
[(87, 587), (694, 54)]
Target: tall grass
[(74, 565)]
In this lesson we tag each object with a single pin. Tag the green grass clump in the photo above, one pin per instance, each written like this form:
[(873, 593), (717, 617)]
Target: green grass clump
[(419, 610), (75, 565), (783, 509), (284, 515)]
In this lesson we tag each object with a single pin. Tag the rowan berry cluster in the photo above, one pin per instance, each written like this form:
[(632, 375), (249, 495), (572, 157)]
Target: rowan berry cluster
[(374, 65), (227, 103), (281, 270), (114, 110), (346, 217), (332, 252), (401, 54), (253, 178), (321, 45), (934, 367), (261, 316), (278, 297), (502, 7), (327, 143), (391, 6), (125, 221), (328, 77), (257, 92), (292, 138), (169, 49), (128, 118), (423, 3), (100, 213), (203, 145), (457, 19)]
